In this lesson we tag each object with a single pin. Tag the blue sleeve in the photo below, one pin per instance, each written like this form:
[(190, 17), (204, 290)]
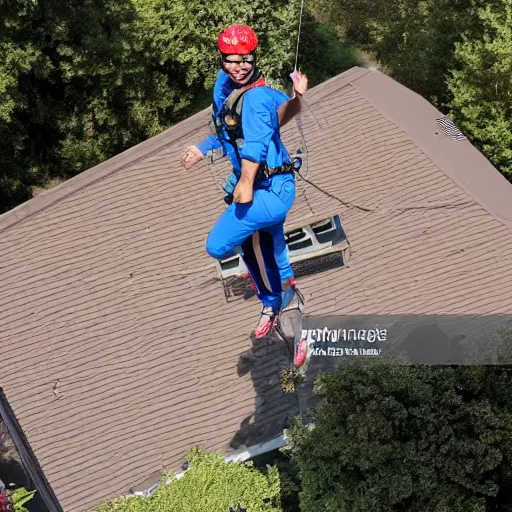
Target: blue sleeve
[(259, 124), (221, 91), (209, 144), (281, 98)]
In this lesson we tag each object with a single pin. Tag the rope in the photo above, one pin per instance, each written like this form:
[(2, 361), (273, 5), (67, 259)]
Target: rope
[(348, 204), (298, 35)]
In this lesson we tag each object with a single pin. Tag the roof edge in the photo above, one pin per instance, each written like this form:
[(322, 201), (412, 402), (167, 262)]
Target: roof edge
[(417, 117), (28, 459), (98, 172), (140, 151), (257, 449)]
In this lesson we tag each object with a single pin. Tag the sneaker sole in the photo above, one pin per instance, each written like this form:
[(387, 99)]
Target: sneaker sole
[(300, 354), (267, 328)]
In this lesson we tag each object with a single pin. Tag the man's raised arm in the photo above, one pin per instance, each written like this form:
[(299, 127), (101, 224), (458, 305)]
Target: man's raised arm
[(292, 107)]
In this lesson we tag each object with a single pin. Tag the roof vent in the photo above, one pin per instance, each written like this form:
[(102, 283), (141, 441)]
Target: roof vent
[(450, 129), (312, 248)]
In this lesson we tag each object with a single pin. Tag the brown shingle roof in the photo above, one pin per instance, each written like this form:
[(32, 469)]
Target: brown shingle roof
[(120, 351)]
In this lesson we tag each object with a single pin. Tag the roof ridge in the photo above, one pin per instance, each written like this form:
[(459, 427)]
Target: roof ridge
[(345, 79), (459, 160)]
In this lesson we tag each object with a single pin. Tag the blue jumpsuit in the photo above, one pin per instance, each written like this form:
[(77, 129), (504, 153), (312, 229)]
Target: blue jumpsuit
[(265, 254)]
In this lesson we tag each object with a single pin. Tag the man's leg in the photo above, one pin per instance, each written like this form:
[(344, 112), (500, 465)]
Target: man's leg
[(272, 240), (230, 231), (266, 257), (258, 256), (235, 227), (238, 226), (258, 228), (278, 250)]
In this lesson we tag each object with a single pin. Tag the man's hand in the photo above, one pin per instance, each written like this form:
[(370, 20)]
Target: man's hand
[(243, 192), (244, 189), (300, 82), (191, 156)]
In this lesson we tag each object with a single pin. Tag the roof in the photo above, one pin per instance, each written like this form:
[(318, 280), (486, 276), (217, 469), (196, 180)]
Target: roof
[(120, 350)]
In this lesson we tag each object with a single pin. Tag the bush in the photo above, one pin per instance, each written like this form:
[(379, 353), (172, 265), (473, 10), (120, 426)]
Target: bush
[(209, 485)]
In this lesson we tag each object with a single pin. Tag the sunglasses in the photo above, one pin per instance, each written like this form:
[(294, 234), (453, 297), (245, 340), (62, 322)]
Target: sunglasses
[(245, 60)]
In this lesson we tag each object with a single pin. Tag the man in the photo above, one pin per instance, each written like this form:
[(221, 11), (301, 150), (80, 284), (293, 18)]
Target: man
[(261, 190)]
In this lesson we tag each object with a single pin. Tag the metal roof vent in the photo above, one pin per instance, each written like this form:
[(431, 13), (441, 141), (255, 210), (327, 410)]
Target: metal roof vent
[(450, 129), (313, 248)]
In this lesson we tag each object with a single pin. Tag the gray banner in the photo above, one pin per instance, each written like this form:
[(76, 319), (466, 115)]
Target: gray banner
[(440, 339)]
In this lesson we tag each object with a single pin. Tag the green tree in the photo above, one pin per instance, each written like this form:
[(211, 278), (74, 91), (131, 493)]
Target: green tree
[(481, 84), (62, 65), (413, 40), (83, 80), (392, 438), (209, 485), (321, 53), (17, 57)]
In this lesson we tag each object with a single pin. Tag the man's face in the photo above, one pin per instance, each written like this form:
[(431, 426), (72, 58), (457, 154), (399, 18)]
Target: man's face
[(239, 67)]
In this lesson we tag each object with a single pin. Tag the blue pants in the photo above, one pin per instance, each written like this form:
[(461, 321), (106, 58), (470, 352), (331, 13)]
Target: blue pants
[(258, 228)]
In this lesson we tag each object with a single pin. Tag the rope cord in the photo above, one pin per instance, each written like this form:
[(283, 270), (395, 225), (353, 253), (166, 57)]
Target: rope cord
[(348, 204), (298, 35), (345, 203)]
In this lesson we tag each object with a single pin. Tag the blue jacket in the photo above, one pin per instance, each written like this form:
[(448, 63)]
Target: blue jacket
[(260, 125)]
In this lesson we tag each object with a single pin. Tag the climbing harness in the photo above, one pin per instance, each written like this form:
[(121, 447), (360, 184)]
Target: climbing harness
[(230, 118), (230, 114)]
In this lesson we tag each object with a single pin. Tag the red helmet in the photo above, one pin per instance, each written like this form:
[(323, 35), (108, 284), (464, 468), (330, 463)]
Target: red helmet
[(237, 40)]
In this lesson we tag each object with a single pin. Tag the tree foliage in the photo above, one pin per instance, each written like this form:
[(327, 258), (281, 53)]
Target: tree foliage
[(455, 53), (412, 39), (407, 439), (481, 84), (321, 53), (64, 74), (210, 484), (83, 80)]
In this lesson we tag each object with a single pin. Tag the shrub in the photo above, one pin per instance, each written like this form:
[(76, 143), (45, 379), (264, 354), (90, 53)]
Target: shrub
[(210, 484)]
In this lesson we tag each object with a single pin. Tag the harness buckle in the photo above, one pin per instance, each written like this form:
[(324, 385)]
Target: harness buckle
[(266, 172)]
